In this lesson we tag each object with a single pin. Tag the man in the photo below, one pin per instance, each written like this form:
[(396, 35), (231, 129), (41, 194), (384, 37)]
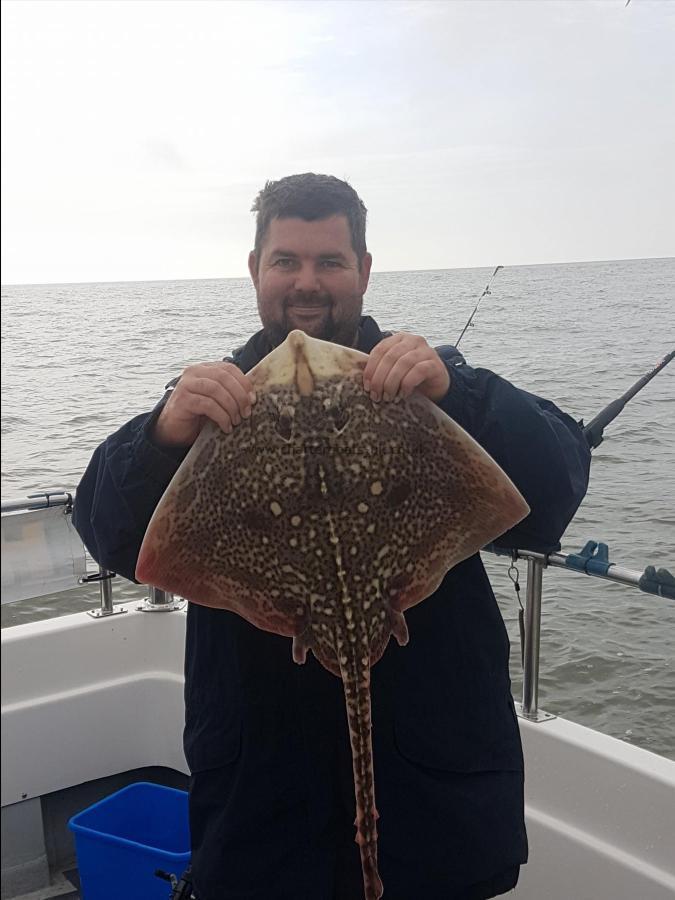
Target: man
[(271, 792)]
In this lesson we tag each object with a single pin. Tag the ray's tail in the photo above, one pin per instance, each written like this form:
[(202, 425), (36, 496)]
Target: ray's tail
[(355, 670)]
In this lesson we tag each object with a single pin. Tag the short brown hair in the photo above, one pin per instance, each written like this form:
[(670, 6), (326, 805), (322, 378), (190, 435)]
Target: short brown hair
[(310, 197)]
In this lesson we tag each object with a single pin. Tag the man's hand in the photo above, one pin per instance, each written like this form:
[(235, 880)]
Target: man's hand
[(402, 363), (218, 391)]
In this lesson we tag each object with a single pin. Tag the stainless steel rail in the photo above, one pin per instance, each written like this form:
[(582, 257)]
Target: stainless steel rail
[(536, 563), (42, 500), (583, 563), (535, 572), (619, 574), (160, 601), (157, 601), (104, 578)]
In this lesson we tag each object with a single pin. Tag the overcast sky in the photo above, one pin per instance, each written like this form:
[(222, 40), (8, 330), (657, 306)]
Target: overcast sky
[(136, 134)]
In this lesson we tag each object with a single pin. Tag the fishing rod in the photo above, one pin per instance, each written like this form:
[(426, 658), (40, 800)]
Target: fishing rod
[(594, 430), (475, 310)]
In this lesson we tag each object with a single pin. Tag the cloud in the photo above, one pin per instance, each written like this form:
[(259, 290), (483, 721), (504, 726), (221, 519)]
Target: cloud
[(457, 122)]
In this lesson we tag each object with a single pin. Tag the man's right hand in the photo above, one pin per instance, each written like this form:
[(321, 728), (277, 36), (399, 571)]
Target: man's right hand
[(218, 391)]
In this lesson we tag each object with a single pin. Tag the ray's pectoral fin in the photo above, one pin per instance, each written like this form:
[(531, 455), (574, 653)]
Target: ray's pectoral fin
[(237, 589)]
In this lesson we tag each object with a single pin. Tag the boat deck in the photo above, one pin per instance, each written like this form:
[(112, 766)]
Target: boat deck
[(65, 886), (600, 812)]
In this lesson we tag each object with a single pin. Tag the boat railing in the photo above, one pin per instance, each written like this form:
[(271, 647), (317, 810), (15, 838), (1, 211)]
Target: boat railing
[(42, 554), (592, 560), (55, 530)]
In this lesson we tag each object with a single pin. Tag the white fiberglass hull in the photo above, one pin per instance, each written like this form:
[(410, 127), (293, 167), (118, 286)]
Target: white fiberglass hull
[(86, 698)]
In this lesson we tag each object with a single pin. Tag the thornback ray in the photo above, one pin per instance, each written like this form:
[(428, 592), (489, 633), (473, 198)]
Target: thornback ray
[(323, 517)]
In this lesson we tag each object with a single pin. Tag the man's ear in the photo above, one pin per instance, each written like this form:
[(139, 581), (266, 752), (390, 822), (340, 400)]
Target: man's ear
[(364, 271), (253, 268)]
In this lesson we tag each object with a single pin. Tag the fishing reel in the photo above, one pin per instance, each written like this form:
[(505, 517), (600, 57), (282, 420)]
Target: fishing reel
[(181, 888)]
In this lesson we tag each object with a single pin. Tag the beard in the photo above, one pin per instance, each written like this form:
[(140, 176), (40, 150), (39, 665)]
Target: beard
[(342, 330)]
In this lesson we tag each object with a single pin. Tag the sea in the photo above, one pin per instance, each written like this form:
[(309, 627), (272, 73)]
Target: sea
[(78, 360)]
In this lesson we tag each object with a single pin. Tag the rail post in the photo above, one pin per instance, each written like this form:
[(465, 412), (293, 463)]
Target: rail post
[(535, 570)]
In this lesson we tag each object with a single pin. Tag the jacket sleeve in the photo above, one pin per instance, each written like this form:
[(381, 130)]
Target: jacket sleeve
[(541, 449), (119, 491)]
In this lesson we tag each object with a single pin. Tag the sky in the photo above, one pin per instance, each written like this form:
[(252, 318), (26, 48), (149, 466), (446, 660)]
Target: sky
[(136, 133)]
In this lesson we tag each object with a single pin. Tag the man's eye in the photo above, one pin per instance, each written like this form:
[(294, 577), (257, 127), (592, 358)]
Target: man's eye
[(283, 262), (330, 263)]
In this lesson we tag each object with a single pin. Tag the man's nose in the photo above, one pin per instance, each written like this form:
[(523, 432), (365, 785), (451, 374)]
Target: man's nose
[(307, 279)]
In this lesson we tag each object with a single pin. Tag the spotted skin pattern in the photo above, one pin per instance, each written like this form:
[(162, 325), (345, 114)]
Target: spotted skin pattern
[(323, 517)]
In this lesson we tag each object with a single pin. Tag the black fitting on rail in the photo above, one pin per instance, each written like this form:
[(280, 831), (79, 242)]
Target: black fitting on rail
[(181, 888), (97, 576), (43, 500), (659, 582)]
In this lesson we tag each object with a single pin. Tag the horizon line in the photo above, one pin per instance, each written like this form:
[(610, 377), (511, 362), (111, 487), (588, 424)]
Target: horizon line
[(570, 262)]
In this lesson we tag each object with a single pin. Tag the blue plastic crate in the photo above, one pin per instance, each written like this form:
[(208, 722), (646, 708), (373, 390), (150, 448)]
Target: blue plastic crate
[(124, 838)]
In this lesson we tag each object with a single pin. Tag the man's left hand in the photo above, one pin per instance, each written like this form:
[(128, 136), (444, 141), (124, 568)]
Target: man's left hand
[(402, 363)]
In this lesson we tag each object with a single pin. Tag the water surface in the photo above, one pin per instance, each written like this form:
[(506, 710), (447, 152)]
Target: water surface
[(78, 360)]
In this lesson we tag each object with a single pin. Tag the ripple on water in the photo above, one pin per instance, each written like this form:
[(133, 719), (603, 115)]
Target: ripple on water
[(532, 329)]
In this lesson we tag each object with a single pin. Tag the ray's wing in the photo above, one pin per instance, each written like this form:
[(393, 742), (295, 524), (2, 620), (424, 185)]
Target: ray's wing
[(215, 535), (235, 525), (463, 501)]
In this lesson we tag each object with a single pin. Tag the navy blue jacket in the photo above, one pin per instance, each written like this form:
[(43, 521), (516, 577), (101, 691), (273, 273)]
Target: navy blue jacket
[(272, 803)]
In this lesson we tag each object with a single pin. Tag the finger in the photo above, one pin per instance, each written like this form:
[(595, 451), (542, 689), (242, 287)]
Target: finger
[(407, 344), (416, 376), (420, 360), (203, 405), (243, 381), (414, 359), (207, 380), (396, 345), (240, 387), (222, 395), (233, 379), (375, 356), (379, 376)]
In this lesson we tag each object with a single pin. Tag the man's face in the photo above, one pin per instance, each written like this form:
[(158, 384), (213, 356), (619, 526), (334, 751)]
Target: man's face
[(308, 277)]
